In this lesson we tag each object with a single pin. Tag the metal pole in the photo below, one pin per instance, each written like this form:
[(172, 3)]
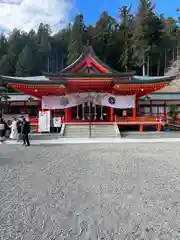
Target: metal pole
[(89, 103), (83, 111), (95, 113), (89, 119), (101, 112), (77, 116)]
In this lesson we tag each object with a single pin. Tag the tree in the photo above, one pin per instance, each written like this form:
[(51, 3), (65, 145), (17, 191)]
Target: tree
[(24, 63), (140, 40), (3, 45), (5, 65), (144, 42), (125, 32), (76, 43)]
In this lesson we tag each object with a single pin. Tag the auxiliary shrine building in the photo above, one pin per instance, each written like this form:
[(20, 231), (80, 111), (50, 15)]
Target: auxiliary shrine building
[(89, 91)]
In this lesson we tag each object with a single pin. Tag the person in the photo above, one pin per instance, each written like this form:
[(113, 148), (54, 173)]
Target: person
[(124, 114), (19, 123), (2, 130), (5, 129), (25, 130), (14, 132)]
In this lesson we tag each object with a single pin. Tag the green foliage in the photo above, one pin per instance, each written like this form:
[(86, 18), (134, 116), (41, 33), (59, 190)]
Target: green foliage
[(76, 43), (24, 63), (173, 112), (143, 42)]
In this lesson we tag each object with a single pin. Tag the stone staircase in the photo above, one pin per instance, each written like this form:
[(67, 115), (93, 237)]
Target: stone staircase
[(76, 131), (105, 131)]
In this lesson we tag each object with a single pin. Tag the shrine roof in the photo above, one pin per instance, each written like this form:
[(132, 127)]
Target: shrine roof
[(162, 96), (19, 97), (40, 80)]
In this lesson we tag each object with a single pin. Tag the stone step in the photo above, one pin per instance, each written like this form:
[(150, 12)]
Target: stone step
[(98, 131), (94, 131), (76, 131)]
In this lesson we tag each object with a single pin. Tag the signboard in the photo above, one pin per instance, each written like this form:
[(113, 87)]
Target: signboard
[(44, 121), (57, 122)]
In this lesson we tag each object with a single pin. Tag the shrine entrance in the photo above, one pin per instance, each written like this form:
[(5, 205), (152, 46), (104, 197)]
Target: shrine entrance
[(89, 112)]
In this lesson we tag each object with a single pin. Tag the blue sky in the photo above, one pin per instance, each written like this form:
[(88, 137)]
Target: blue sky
[(91, 9), (28, 14)]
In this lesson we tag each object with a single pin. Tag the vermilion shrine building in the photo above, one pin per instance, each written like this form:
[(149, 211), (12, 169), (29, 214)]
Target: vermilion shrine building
[(86, 80)]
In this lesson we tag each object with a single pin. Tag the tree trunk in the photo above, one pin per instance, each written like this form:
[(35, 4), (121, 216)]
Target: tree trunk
[(148, 63), (178, 49), (56, 63), (48, 63), (158, 67), (165, 61), (173, 54), (144, 67)]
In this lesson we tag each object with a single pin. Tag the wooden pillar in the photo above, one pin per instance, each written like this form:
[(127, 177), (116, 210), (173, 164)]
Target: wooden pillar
[(151, 107), (25, 108), (134, 108), (67, 114), (38, 106), (141, 127), (111, 114), (158, 127), (165, 113)]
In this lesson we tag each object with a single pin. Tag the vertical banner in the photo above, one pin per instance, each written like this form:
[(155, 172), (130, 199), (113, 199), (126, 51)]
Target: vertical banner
[(44, 121)]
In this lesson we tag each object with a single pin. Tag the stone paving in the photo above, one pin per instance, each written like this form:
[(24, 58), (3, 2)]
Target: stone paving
[(90, 192)]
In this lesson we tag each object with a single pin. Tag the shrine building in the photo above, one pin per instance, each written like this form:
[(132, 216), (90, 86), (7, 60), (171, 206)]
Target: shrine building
[(89, 91)]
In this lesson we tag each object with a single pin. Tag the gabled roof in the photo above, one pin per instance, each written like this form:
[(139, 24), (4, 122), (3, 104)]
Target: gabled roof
[(88, 51)]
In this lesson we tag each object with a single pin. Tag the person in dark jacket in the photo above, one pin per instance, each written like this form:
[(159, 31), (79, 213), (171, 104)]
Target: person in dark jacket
[(25, 130), (6, 127), (2, 130)]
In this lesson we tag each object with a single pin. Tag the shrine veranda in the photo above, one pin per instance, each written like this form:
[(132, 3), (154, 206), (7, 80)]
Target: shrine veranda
[(90, 91)]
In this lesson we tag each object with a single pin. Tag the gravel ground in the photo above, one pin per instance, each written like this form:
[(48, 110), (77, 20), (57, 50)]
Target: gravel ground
[(79, 192)]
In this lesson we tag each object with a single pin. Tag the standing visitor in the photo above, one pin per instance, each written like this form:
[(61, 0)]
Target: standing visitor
[(6, 127), (2, 130), (124, 114), (25, 132), (19, 127), (14, 132)]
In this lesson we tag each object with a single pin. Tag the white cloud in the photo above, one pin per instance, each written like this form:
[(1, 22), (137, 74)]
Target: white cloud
[(28, 14)]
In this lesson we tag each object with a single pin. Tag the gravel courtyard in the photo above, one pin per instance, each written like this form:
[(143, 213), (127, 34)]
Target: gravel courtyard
[(79, 192)]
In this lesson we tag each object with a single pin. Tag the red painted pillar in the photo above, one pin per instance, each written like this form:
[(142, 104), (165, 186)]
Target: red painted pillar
[(70, 114), (134, 108), (25, 108), (111, 114), (141, 128), (67, 114), (165, 113)]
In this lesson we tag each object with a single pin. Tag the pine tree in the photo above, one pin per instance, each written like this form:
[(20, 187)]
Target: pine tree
[(76, 43), (125, 31), (6, 65), (140, 41), (24, 63), (3, 45)]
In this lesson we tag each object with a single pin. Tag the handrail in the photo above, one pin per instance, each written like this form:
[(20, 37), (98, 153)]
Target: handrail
[(62, 129), (90, 128)]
